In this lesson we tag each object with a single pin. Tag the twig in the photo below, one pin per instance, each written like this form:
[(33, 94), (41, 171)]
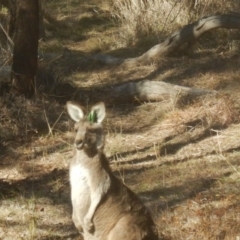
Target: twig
[(49, 127), (6, 34)]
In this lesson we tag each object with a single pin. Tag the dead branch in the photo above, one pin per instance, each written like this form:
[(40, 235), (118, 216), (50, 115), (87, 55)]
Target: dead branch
[(152, 91), (189, 33)]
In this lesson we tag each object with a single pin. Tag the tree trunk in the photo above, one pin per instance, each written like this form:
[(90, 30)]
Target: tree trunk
[(25, 33)]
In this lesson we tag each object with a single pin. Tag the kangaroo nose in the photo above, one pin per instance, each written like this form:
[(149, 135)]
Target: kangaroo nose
[(78, 143)]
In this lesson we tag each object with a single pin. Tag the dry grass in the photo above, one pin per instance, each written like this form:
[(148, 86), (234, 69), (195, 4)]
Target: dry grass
[(182, 159), (143, 21), (6, 44)]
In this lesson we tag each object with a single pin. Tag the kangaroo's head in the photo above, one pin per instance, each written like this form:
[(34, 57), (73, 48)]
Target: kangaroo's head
[(89, 130)]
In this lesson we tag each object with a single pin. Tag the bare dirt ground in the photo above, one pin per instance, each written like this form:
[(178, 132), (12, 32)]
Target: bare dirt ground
[(182, 159)]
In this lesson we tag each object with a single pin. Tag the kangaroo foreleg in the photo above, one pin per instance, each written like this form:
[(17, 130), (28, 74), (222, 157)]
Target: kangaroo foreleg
[(96, 197)]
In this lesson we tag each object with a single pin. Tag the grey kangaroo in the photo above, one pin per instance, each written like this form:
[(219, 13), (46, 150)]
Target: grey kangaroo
[(103, 207)]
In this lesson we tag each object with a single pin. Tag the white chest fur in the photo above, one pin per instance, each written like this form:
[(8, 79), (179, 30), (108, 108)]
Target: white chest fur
[(78, 173), (79, 182)]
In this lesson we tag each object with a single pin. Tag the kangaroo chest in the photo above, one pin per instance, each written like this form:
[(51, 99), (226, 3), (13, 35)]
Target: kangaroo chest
[(79, 177), (80, 189)]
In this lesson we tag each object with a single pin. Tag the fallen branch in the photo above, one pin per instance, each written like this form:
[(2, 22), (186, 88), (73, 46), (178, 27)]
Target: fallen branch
[(152, 91), (189, 33)]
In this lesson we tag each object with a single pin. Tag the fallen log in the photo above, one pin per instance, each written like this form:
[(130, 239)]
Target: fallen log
[(188, 34), (152, 91)]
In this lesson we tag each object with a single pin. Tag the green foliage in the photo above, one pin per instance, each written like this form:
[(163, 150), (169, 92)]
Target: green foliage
[(92, 117)]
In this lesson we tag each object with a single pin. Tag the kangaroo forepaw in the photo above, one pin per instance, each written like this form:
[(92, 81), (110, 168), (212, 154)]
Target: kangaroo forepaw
[(88, 225)]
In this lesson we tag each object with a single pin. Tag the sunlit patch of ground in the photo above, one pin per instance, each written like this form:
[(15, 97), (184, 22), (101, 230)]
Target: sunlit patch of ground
[(182, 159)]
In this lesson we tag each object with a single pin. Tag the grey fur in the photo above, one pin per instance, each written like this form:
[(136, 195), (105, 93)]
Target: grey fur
[(103, 207)]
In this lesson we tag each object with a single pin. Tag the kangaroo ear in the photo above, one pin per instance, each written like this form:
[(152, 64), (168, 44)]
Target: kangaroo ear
[(99, 111), (75, 111)]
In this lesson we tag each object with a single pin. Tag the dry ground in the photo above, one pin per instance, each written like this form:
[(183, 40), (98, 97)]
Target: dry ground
[(182, 159)]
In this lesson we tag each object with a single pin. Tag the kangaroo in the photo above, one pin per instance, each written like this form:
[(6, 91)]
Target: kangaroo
[(103, 207)]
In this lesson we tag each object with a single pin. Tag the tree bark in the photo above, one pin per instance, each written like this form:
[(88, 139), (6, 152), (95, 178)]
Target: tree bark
[(25, 52)]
